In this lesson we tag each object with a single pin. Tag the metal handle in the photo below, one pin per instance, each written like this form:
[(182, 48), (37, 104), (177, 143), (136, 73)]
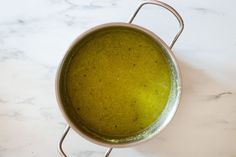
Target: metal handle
[(60, 148), (169, 8)]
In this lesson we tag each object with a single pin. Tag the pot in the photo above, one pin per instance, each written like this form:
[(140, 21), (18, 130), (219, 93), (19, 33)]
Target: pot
[(172, 103)]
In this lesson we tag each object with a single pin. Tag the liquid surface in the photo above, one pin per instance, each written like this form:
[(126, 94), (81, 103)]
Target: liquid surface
[(118, 82)]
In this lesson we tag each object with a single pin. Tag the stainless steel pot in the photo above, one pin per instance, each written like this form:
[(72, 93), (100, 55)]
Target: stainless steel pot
[(171, 105)]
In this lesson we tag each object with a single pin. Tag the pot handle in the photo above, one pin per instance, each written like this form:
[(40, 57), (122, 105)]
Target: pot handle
[(166, 6), (60, 148)]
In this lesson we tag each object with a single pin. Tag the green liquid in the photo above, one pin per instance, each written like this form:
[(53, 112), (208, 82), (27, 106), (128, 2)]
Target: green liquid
[(118, 82)]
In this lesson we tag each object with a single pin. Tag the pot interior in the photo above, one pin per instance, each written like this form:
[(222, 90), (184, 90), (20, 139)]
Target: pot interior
[(86, 96)]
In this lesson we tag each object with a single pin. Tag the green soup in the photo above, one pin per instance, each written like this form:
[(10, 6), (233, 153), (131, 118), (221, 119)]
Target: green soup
[(118, 81)]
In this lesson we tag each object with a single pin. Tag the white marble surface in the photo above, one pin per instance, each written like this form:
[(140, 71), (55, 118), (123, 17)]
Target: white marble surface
[(34, 36)]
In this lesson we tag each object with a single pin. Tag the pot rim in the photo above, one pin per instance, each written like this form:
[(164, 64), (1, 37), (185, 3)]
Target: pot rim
[(154, 37)]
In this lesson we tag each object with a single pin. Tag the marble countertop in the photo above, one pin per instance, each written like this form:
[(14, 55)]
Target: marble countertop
[(34, 36)]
